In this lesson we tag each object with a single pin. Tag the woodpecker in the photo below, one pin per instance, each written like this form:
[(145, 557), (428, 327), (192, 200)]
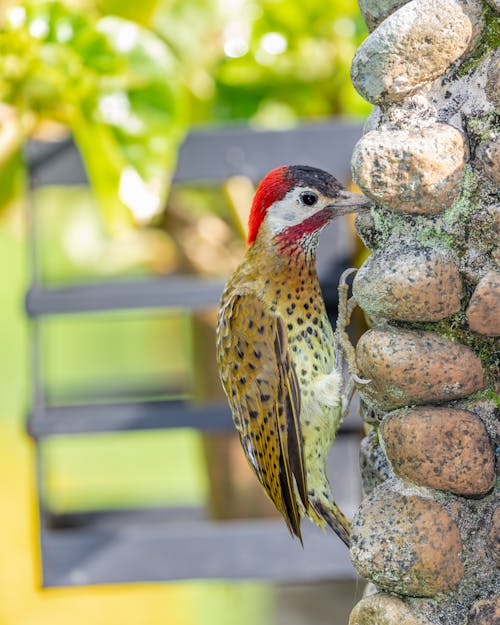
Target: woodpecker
[(279, 359)]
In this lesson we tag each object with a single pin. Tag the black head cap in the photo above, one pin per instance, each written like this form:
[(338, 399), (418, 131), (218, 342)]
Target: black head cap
[(306, 176)]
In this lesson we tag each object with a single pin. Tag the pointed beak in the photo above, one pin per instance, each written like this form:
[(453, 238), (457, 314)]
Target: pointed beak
[(348, 202)]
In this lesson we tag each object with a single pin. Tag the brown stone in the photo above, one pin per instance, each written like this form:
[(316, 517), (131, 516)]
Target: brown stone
[(494, 537), (415, 367), (440, 447), (406, 544), (483, 312), (485, 612), (382, 609), (415, 171), (415, 284)]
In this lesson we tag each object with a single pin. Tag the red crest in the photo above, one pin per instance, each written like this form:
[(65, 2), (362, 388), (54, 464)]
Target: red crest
[(272, 188)]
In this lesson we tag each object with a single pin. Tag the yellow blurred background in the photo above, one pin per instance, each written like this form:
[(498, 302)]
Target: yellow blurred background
[(271, 63)]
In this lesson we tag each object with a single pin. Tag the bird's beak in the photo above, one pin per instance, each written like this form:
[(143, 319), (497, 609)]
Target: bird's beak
[(349, 202)]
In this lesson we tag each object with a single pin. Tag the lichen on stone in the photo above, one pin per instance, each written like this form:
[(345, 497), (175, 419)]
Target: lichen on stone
[(489, 40)]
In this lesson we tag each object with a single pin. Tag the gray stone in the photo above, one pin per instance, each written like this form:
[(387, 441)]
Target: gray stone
[(493, 78), (414, 171), (373, 464), (488, 154), (412, 47), (375, 11)]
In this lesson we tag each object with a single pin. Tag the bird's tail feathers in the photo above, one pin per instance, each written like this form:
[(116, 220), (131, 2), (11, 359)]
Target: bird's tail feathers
[(332, 515)]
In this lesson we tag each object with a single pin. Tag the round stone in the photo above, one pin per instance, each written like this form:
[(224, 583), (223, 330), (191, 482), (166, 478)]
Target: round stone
[(415, 367), (375, 11), (415, 171), (482, 312), (485, 612), (488, 153), (441, 448), (406, 544), (382, 609), (436, 32), (415, 284), (494, 537)]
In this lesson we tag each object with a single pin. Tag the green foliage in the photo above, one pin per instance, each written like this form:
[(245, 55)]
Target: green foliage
[(127, 78), (117, 87), (275, 60), (297, 64)]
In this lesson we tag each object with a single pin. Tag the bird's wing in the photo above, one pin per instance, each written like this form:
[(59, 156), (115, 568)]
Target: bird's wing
[(261, 384)]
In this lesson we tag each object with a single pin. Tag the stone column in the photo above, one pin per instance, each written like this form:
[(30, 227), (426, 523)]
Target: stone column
[(427, 532)]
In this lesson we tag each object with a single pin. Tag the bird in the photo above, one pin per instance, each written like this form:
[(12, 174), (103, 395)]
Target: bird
[(279, 359)]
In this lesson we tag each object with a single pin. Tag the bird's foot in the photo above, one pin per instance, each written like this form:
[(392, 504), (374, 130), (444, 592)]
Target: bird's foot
[(345, 351)]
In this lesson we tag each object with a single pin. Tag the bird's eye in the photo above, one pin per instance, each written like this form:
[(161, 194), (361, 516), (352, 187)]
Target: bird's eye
[(308, 198)]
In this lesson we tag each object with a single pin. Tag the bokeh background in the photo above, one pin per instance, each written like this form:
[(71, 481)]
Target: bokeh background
[(129, 79)]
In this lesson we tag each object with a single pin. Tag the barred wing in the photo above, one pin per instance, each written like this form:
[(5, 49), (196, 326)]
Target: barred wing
[(261, 384)]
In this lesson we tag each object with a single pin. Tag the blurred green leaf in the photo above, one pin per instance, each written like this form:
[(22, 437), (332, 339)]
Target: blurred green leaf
[(115, 84), (140, 12), (128, 93), (12, 180)]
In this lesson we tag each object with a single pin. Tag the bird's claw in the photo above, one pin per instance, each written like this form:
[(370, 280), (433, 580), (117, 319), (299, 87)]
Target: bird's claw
[(346, 274), (359, 380)]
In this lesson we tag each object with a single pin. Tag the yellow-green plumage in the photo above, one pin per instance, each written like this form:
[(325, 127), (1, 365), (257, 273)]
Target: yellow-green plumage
[(272, 296), (276, 348)]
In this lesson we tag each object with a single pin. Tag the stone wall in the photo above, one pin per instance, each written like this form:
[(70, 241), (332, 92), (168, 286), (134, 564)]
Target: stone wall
[(427, 532)]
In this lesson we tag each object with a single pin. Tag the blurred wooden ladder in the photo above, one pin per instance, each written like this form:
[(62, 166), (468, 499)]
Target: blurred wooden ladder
[(148, 545)]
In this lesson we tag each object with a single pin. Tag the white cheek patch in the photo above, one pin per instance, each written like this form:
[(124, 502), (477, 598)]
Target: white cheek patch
[(289, 211)]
